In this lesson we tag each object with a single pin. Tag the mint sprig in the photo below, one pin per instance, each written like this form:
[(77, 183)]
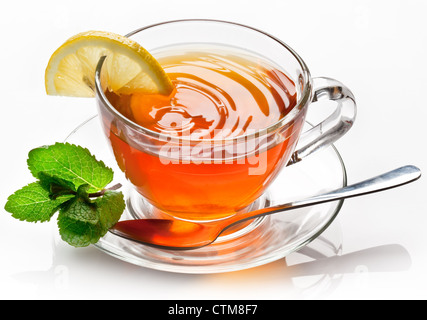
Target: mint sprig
[(72, 181), (71, 163)]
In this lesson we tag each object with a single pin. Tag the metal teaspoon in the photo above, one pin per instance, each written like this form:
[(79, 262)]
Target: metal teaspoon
[(179, 234)]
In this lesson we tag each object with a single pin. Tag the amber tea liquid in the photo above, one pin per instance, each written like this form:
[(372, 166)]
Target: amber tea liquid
[(220, 93)]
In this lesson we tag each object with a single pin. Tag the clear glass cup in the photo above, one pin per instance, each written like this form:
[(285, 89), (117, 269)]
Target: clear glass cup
[(210, 179)]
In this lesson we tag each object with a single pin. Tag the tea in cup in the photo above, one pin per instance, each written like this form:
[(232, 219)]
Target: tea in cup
[(213, 146)]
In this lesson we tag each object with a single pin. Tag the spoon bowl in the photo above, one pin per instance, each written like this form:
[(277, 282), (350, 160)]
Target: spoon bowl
[(184, 235)]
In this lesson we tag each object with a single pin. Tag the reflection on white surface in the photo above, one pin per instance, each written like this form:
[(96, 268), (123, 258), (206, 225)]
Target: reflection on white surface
[(316, 271), (322, 275)]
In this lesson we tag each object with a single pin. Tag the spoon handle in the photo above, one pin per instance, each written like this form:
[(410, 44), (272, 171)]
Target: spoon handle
[(388, 180), (385, 181)]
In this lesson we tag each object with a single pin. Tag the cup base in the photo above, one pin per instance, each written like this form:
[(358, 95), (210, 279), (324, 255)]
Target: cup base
[(139, 208)]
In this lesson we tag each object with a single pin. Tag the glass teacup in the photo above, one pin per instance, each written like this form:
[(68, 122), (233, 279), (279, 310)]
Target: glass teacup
[(210, 177)]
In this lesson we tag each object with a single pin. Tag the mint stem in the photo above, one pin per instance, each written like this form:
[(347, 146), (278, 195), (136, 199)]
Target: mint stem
[(102, 192)]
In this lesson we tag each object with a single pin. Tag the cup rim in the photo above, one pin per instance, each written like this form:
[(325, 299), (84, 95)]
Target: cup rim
[(302, 101)]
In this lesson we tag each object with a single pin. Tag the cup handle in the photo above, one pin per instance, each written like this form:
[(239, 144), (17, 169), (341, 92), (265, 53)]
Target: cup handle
[(335, 125)]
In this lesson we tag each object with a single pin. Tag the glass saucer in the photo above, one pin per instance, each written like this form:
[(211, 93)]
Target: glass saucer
[(263, 241)]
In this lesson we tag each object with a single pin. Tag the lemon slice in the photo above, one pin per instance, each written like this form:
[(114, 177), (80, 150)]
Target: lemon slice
[(128, 66)]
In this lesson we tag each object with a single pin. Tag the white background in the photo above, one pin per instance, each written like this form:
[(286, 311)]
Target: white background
[(377, 48)]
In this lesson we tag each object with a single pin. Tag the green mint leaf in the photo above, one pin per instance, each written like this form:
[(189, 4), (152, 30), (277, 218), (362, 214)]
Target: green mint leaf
[(77, 233), (78, 221), (71, 163), (81, 208), (110, 208), (32, 203), (82, 192), (56, 186), (49, 181), (83, 222)]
